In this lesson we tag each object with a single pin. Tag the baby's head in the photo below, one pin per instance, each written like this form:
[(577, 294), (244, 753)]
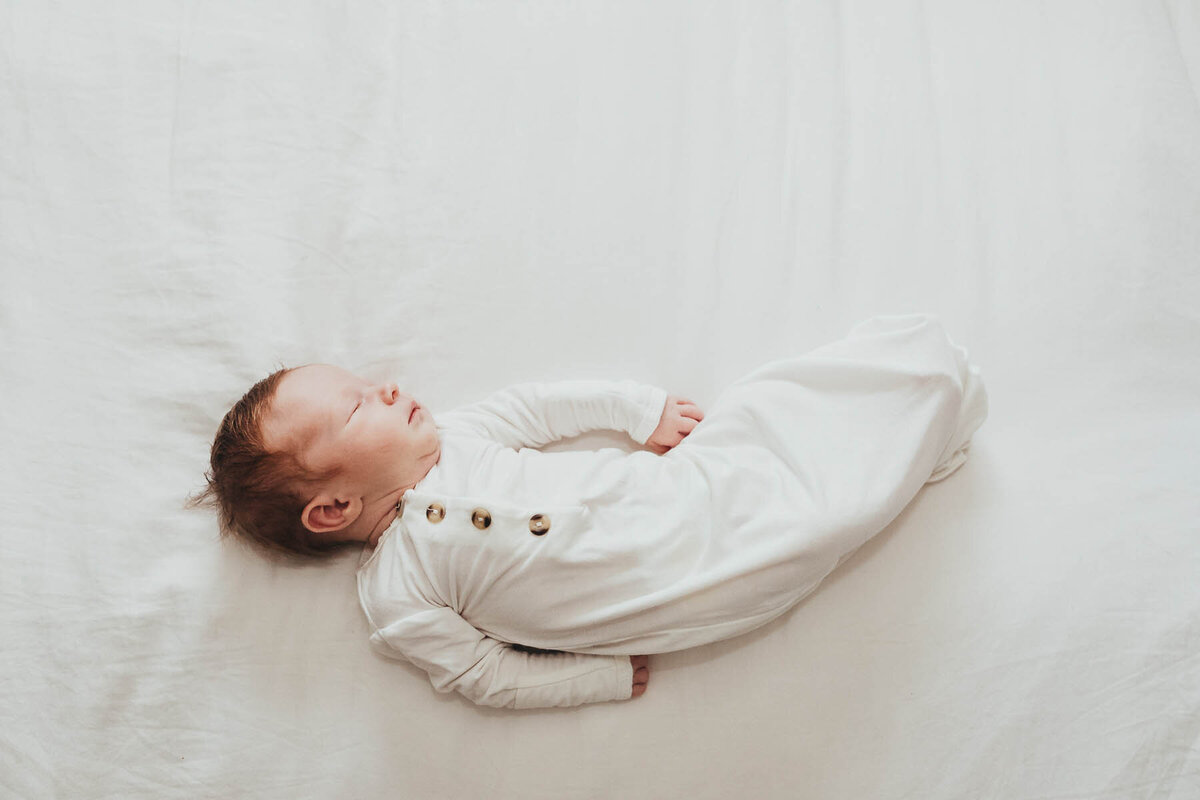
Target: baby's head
[(313, 458)]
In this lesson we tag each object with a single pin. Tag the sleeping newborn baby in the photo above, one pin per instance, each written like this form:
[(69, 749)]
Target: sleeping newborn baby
[(525, 579)]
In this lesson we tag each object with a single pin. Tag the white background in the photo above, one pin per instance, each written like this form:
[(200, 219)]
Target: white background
[(465, 195)]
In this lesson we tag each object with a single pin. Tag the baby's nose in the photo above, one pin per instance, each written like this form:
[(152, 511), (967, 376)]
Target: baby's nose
[(389, 393)]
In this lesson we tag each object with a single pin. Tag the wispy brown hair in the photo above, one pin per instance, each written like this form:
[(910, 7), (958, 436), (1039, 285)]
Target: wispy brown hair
[(260, 494)]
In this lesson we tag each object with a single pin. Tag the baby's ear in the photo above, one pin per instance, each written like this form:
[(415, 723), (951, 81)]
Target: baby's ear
[(327, 514)]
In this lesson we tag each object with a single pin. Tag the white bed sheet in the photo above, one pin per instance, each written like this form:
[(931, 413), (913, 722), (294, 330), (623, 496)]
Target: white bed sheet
[(465, 195)]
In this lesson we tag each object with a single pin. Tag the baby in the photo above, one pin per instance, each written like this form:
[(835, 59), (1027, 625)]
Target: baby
[(522, 578)]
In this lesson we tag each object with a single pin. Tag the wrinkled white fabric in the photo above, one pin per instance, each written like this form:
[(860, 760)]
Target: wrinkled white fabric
[(461, 196), (796, 465)]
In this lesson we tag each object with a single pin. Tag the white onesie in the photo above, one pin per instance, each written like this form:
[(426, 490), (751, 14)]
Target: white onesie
[(605, 553)]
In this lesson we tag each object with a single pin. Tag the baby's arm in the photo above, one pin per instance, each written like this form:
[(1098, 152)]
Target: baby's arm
[(489, 672), (535, 414)]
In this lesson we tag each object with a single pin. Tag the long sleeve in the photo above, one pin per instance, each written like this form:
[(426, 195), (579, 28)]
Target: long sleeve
[(535, 414), (492, 673)]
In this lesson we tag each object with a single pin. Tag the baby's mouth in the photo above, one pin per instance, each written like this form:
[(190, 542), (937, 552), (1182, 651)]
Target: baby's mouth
[(413, 413)]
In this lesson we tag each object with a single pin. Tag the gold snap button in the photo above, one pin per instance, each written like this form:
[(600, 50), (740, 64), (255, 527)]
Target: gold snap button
[(539, 524), (436, 512), (400, 508), (481, 518)]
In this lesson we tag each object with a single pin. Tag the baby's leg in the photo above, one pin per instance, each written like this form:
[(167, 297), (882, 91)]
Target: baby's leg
[(861, 423), (971, 415), (928, 350)]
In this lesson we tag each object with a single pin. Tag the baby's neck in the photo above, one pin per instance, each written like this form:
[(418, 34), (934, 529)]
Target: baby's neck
[(378, 515)]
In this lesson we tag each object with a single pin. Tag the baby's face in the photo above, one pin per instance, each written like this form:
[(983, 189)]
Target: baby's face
[(378, 439)]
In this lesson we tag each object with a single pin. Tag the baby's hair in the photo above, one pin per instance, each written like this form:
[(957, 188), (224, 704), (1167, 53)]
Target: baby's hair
[(259, 494)]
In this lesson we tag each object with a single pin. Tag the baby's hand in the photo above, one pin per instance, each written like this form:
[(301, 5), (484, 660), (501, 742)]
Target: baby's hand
[(679, 417), (641, 674)]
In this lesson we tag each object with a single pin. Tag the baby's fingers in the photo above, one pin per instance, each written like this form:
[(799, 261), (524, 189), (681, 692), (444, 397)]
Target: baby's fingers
[(641, 674)]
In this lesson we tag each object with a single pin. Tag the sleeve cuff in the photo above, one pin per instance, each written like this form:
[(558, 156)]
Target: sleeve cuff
[(624, 677), (652, 416)]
